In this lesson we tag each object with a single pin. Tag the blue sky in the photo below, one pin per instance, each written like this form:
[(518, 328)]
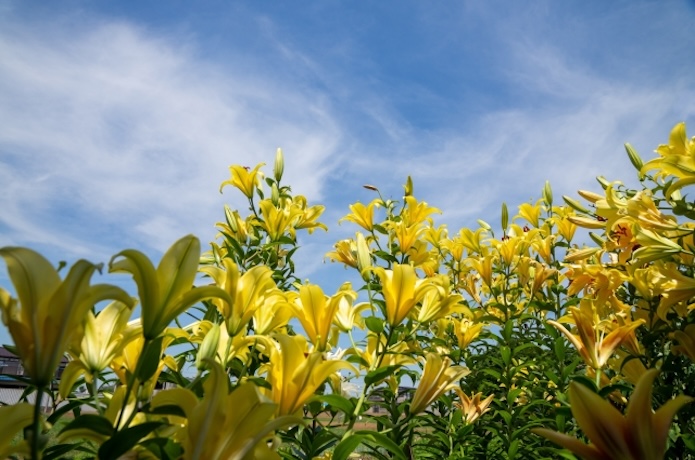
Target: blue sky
[(118, 120)]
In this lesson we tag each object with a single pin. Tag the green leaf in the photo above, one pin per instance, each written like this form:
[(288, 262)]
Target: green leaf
[(347, 446), (149, 359), (58, 451), (123, 441), (377, 375), (163, 448), (337, 402), (384, 441), (374, 324), (506, 353), (92, 422)]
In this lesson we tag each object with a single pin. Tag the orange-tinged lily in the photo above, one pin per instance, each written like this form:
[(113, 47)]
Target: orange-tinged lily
[(402, 290), (245, 180), (640, 434), (438, 377), (472, 407), (224, 425), (294, 374), (48, 311), (167, 291), (591, 341)]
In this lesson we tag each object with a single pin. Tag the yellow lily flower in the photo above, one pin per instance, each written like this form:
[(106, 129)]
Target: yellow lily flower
[(530, 213), (104, 337), (401, 290), (438, 377), (406, 234), (243, 179), (416, 213), (168, 291), (294, 374), (278, 221), (686, 342), (48, 311), (438, 303), (466, 331), (272, 315), (316, 313), (126, 361), (224, 425), (472, 408), (308, 218), (12, 420), (593, 344), (363, 215), (247, 291), (640, 434), (397, 355), (345, 252), (677, 159)]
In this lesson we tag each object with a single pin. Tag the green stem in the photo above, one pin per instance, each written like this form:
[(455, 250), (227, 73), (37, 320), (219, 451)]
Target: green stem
[(36, 425), (94, 390)]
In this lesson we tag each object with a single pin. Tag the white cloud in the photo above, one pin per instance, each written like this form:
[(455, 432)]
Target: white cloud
[(113, 136)]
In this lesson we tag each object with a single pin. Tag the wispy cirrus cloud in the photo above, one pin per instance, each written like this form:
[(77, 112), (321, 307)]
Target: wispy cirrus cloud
[(114, 136)]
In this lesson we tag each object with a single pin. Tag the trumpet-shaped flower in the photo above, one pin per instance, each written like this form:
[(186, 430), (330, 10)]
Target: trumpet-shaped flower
[(677, 158), (224, 425), (308, 219), (125, 363), (278, 220), (48, 311), (438, 377), (294, 374), (402, 290), (591, 341), (472, 407), (638, 435), (316, 313), (244, 179), (363, 215), (247, 291), (167, 291), (466, 331), (104, 337)]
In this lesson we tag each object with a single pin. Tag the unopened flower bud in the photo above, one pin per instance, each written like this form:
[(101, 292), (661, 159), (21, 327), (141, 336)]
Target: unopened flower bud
[(279, 166), (208, 349)]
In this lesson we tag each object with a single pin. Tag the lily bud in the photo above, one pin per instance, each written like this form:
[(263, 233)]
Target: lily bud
[(231, 219), (364, 259), (590, 196), (408, 186), (484, 225), (208, 349), (279, 166), (634, 158), (574, 204), (505, 217), (548, 194), (603, 181)]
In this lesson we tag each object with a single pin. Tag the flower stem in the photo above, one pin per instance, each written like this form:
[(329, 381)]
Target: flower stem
[(36, 426)]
